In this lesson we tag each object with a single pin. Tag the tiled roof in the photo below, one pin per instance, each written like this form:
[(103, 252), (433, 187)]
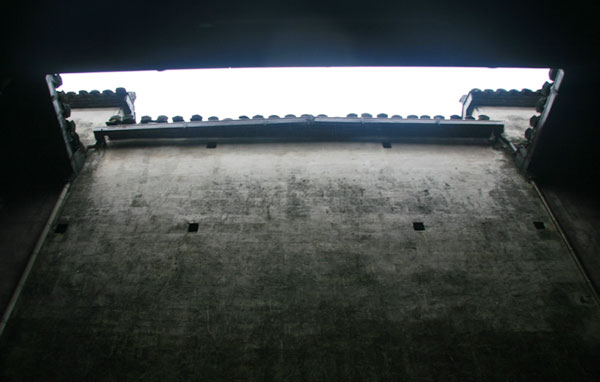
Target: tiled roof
[(305, 127), (352, 116), (548, 94), (499, 97), (96, 99)]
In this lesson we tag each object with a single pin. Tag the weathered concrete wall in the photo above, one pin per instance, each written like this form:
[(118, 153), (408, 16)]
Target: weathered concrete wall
[(86, 120), (305, 267), (516, 119)]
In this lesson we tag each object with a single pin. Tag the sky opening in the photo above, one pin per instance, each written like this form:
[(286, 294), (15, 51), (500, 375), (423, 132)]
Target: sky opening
[(335, 91)]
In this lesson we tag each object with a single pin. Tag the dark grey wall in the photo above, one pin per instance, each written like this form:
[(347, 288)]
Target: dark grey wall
[(23, 215), (305, 266)]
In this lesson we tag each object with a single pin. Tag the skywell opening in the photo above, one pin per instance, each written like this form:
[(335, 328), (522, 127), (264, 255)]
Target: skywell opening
[(380, 104), (331, 91)]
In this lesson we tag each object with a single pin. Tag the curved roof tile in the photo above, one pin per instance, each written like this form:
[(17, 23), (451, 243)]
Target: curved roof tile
[(94, 99)]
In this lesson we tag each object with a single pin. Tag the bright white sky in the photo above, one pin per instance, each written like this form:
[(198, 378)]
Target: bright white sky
[(229, 93)]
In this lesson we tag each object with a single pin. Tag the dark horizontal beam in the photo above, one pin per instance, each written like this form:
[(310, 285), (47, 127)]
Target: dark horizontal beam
[(305, 128)]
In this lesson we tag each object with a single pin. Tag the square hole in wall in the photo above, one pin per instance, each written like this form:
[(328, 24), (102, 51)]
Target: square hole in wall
[(387, 145), (539, 225), (211, 145), (193, 227), (419, 226), (61, 228)]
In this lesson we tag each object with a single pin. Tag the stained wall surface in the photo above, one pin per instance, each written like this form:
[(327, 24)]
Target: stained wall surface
[(305, 266), (515, 119), (87, 119)]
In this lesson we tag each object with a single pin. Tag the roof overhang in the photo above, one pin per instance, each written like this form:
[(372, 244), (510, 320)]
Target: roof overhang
[(306, 129)]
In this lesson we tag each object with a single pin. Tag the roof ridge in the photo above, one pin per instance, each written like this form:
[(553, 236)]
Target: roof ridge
[(117, 120)]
